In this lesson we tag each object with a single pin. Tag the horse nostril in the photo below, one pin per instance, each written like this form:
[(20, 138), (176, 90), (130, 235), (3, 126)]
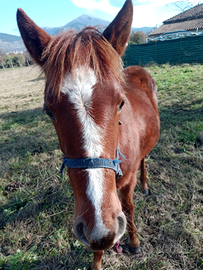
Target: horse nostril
[(121, 223), (121, 226), (80, 233), (79, 229)]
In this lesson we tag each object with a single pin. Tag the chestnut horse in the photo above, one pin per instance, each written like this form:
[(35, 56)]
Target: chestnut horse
[(99, 110)]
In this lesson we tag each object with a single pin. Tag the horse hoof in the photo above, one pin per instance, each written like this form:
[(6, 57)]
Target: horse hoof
[(136, 251), (146, 192), (117, 248)]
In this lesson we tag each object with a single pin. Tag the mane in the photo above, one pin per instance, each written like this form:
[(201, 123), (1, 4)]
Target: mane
[(70, 50)]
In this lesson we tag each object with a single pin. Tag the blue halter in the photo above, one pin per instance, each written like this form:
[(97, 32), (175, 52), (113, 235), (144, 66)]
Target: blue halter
[(93, 163)]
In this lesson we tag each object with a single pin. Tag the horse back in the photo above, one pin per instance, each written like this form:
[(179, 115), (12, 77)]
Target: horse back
[(140, 117), (138, 81)]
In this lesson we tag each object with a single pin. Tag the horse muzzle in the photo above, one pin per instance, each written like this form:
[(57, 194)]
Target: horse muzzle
[(100, 237)]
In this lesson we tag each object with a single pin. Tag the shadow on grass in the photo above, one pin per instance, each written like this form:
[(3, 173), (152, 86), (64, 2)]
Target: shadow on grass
[(25, 135), (180, 114), (76, 259), (55, 209), (42, 216), (26, 131), (23, 117), (37, 79), (21, 207)]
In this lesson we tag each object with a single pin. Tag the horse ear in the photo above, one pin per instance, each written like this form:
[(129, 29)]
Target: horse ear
[(117, 33), (34, 37)]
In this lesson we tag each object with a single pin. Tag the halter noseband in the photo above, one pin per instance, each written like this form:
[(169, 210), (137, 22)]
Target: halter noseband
[(94, 163)]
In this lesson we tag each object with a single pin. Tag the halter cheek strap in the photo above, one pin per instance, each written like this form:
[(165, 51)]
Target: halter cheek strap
[(94, 163)]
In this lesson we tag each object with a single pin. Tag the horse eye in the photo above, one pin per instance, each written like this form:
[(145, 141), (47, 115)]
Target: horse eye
[(49, 113), (121, 105)]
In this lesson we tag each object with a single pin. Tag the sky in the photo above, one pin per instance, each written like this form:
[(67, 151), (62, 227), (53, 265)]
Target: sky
[(49, 13)]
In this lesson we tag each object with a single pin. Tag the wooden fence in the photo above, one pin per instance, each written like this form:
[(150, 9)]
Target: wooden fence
[(177, 51)]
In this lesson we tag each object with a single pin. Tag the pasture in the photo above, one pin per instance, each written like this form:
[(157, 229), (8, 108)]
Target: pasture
[(37, 206)]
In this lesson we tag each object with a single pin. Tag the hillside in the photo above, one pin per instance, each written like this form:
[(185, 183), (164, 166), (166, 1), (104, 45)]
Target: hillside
[(9, 43), (9, 38), (51, 30)]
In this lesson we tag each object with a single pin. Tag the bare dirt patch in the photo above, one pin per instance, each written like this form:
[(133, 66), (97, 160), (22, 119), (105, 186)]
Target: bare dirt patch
[(20, 89)]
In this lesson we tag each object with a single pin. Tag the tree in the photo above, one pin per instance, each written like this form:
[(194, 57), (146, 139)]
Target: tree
[(2, 59), (2, 62), (18, 60), (138, 37), (28, 60), (8, 61), (183, 5), (12, 60)]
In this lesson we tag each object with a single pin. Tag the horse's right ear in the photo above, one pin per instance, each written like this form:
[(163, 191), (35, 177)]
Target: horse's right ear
[(34, 37)]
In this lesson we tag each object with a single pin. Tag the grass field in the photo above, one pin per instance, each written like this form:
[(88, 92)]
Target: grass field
[(36, 206)]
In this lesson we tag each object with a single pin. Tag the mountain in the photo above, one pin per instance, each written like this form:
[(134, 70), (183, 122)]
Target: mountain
[(82, 21), (9, 38), (145, 29), (51, 30), (9, 43), (86, 20)]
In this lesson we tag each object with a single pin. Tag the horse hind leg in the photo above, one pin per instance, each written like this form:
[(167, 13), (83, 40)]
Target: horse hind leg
[(143, 178)]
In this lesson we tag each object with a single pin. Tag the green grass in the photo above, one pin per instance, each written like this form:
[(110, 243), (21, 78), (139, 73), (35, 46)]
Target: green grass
[(37, 210)]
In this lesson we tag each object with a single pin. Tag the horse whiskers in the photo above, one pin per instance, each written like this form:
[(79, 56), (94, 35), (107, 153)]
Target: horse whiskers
[(83, 213), (89, 228)]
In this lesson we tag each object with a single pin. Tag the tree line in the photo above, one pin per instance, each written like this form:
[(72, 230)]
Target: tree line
[(12, 60)]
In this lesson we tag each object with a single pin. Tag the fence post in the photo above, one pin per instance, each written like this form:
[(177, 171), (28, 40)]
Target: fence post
[(155, 50), (181, 60)]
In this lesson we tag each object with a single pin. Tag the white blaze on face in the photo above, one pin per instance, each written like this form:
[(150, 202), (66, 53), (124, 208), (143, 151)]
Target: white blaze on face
[(79, 89)]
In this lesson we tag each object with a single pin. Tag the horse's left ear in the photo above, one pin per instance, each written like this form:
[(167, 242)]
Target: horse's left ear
[(35, 38), (117, 33)]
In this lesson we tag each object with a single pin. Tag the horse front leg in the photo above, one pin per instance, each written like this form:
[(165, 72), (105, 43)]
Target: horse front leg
[(143, 178), (128, 208), (97, 261)]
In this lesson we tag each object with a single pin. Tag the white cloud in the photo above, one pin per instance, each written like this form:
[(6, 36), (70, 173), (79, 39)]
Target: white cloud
[(155, 3), (144, 16), (102, 5), (152, 13), (146, 12)]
